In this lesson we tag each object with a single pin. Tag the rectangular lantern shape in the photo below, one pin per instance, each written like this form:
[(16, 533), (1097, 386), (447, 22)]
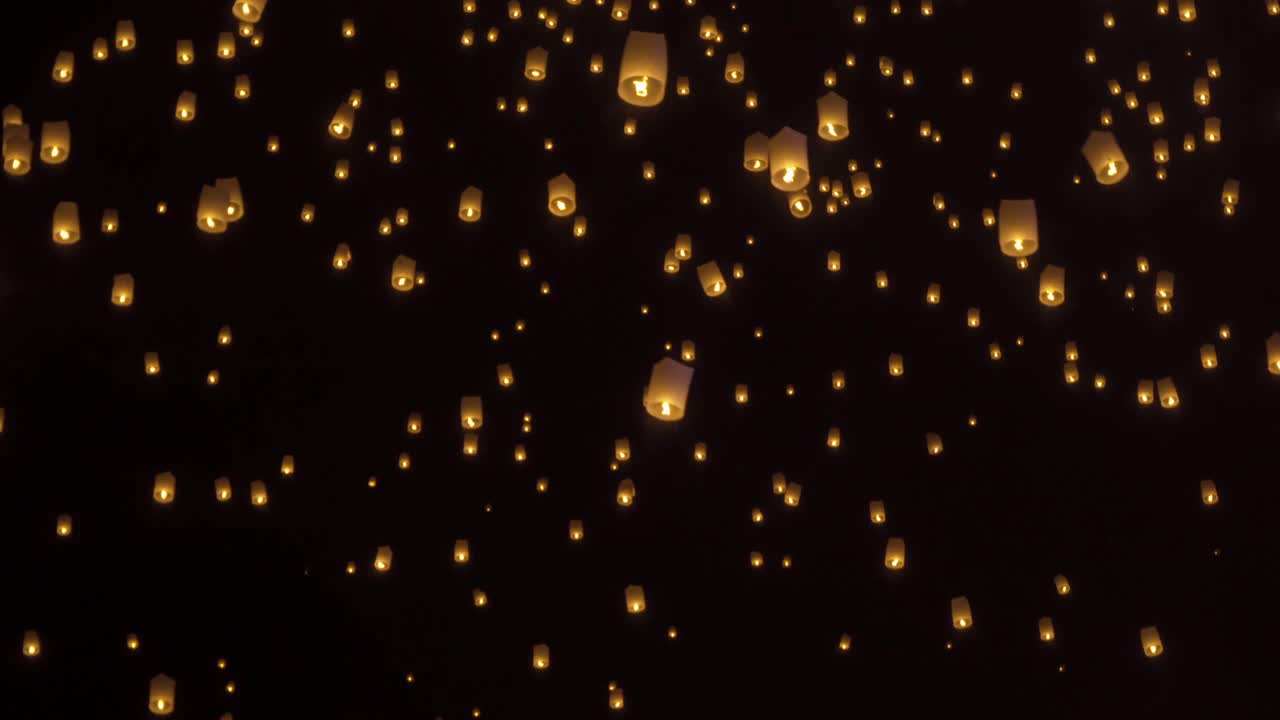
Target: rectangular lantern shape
[(961, 614), (1150, 639), (1053, 285), (634, 595), (666, 395), (642, 72), (895, 553), (163, 487), (161, 698)]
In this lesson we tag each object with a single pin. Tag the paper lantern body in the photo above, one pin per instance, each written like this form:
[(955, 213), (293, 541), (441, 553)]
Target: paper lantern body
[(667, 393), (642, 72), (1018, 228)]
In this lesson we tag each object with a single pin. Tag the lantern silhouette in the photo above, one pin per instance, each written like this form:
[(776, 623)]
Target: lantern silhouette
[(626, 494), (122, 290), (1208, 492), (1168, 393), (541, 657), (66, 223), (64, 67), (470, 204), (1053, 287), (1150, 639), (382, 558), (735, 68), (561, 196), (1046, 629), (895, 553), (1105, 157), (667, 393), (755, 152), (634, 595), (961, 615), (161, 698), (833, 117), (1018, 228), (712, 281), (789, 160), (402, 273), (211, 209), (55, 142), (642, 72)]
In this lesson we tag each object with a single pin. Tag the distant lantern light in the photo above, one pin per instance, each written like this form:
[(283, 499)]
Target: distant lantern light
[(1273, 351), (226, 46), (258, 493), (642, 71), (342, 256), (896, 367), (1105, 157), (185, 109), (382, 558), (626, 494), (791, 495), (541, 657)]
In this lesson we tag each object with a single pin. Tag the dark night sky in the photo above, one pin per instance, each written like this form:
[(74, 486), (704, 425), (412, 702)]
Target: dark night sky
[(327, 365)]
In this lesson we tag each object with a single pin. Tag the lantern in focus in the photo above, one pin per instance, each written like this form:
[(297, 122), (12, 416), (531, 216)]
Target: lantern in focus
[(343, 122), (211, 210), (626, 494), (126, 37), (961, 615), (642, 72), (735, 68), (55, 142), (164, 487), (755, 152), (535, 64), (789, 160), (66, 223), (122, 290), (561, 196), (1053, 287), (1105, 157), (667, 393), (469, 205), (711, 280), (1018, 228), (403, 272), (160, 701), (1168, 393), (833, 117)]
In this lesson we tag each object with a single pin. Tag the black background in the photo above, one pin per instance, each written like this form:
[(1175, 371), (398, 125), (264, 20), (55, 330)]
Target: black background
[(326, 366)]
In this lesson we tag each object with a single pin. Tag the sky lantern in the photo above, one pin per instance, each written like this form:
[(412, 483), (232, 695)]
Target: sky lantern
[(642, 71), (667, 393), (1018, 228), (789, 160), (1105, 157)]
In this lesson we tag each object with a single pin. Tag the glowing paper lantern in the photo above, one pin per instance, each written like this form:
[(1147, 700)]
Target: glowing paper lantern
[(1018, 228), (64, 67), (541, 657), (634, 595), (895, 553), (833, 117), (163, 487), (1150, 639), (712, 281), (403, 272), (470, 204), (791, 496), (382, 558), (1045, 629), (186, 53), (667, 393), (160, 701), (642, 72), (55, 142), (222, 489), (933, 443), (122, 290), (1168, 393), (185, 109), (735, 68), (535, 64), (961, 615), (561, 196), (343, 122), (1053, 285), (1208, 492), (211, 209), (17, 148), (789, 160), (626, 492), (66, 223), (258, 493), (230, 187), (31, 644), (755, 152), (1105, 157), (1273, 353), (126, 36)]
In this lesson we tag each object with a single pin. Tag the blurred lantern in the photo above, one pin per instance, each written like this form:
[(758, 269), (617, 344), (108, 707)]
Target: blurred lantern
[(735, 68), (837, 380), (241, 89), (63, 526), (1208, 492), (1061, 585), (55, 142), (1273, 353), (1160, 151), (541, 657), (833, 261), (31, 643), (1018, 228), (1186, 10), (575, 530), (933, 294), (470, 443), (258, 493), (126, 37), (877, 512), (341, 256), (1168, 393), (626, 494), (1046, 629), (1053, 288), (230, 187), (469, 205), (791, 497), (506, 378), (1150, 638), (100, 49), (402, 273), (667, 393), (391, 80), (642, 72), (164, 487), (895, 553), (64, 67), (973, 318), (861, 182), (712, 281), (833, 117), (110, 221), (66, 223), (1155, 113), (535, 64), (472, 412), (1212, 129), (833, 438), (895, 365), (226, 45), (222, 489), (343, 122), (961, 615), (249, 11), (185, 110), (461, 552), (287, 465), (1208, 357), (211, 209), (382, 558), (933, 443), (17, 148), (1146, 392), (160, 701), (1105, 157), (561, 196), (755, 152), (634, 595), (993, 350), (122, 290)]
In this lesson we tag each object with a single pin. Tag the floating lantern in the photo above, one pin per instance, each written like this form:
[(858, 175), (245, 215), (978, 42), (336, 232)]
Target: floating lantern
[(895, 553), (31, 643), (1071, 351), (833, 261), (791, 496), (122, 290), (1018, 228), (1208, 492), (735, 68), (833, 117), (258, 493), (973, 318), (755, 152), (286, 465), (382, 558), (1150, 639), (933, 443), (961, 615), (110, 221), (66, 223), (1053, 288), (249, 11), (882, 280), (64, 67), (1046, 629), (575, 531), (470, 443), (402, 273), (712, 281), (895, 365), (63, 526), (740, 394), (933, 294), (1061, 585), (472, 412), (230, 187), (1155, 114), (17, 149), (799, 204), (966, 77), (241, 89), (185, 109), (163, 487), (642, 72), (461, 552), (211, 209), (1146, 392), (1105, 157), (667, 393), (541, 657), (877, 512), (341, 256), (1208, 357), (634, 595), (469, 204), (55, 142), (993, 350), (162, 691), (222, 489), (886, 66), (861, 183), (1273, 352), (535, 64), (391, 80), (561, 196), (126, 37), (1168, 393), (226, 45), (789, 160), (626, 492), (833, 438), (1186, 10)]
